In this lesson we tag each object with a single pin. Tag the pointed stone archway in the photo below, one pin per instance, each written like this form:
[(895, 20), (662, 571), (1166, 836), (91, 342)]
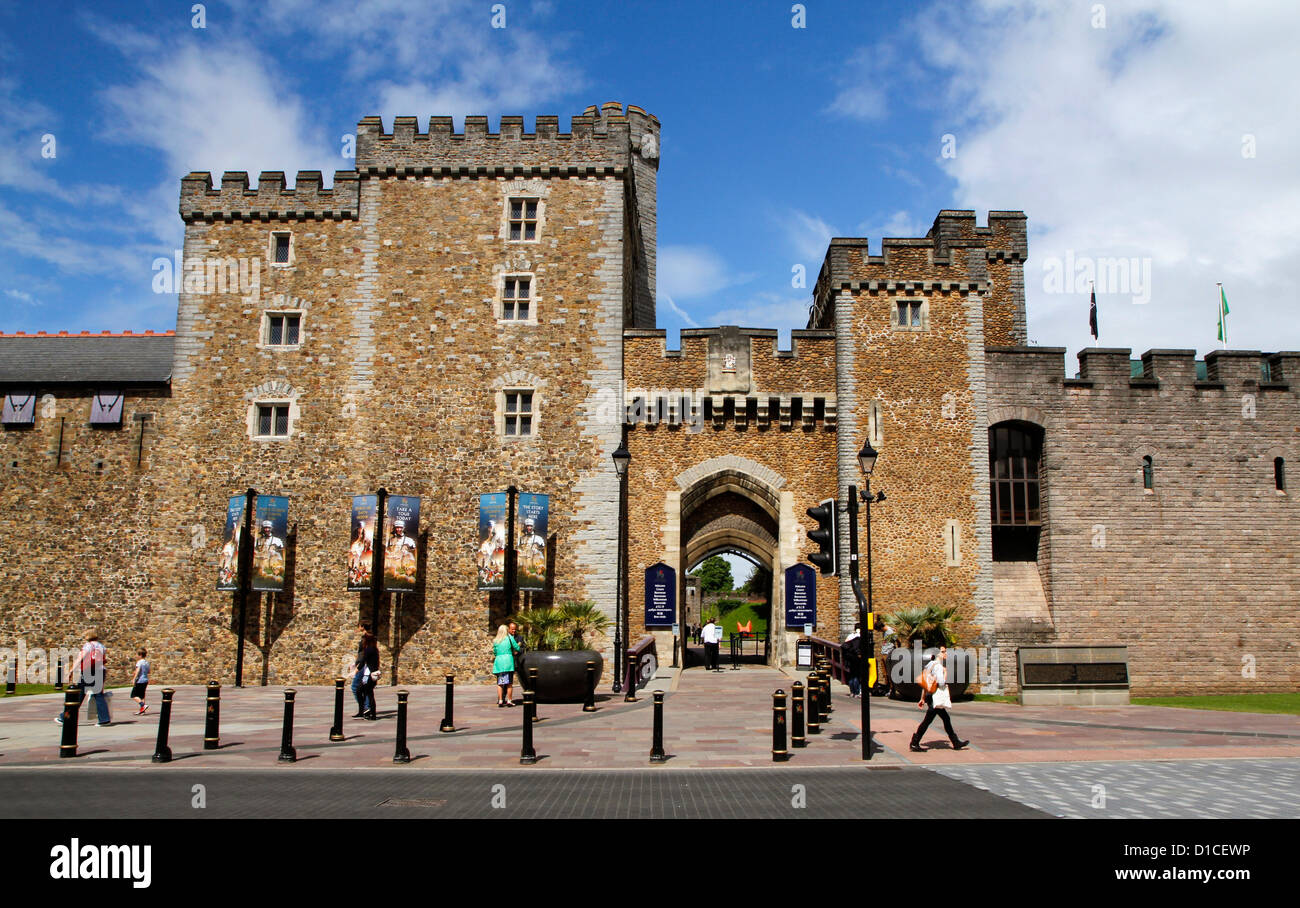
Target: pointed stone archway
[(731, 503)]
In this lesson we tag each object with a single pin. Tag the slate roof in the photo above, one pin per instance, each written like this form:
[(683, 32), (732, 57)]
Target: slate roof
[(43, 359)]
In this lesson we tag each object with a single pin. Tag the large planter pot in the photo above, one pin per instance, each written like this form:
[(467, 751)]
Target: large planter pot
[(903, 667), (561, 675)]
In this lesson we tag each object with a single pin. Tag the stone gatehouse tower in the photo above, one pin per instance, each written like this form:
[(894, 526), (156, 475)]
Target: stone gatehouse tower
[(466, 312)]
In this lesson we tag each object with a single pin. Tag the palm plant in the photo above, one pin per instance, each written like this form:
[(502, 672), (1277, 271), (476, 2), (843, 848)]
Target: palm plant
[(930, 624), (565, 627)]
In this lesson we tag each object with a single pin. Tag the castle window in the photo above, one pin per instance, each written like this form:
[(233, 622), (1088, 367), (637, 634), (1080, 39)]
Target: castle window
[(909, 315), (280, 243), (282, 329), (523, 219), (19, 410), (106, 410), (273, 420), (1279, 474), (517, 413), (1148, 473), (516, 298)]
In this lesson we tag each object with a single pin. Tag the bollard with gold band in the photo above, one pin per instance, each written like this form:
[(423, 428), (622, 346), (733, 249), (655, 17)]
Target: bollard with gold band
[(287, 752), (631, 679), (797, 738), (657, 741), (814, 714), (779, 753), (336, 730), (212, 721), (589, 705), (400, 753), (71, 715), (161, 752), (448, 715), (527, 755)]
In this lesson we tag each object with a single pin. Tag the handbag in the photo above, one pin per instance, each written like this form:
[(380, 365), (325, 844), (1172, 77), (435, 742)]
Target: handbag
[(941, 699), (927, 682)]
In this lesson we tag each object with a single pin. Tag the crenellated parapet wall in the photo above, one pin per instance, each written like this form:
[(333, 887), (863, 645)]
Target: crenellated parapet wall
[(232, 200), (955, 256), (600, 142)]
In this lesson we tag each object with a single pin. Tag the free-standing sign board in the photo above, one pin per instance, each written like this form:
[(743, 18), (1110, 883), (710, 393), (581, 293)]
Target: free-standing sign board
[(800, 595), (660, 595)]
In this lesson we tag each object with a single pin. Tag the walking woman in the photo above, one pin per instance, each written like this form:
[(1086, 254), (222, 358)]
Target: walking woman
[(369, 674), (938, 702), (504, 648)]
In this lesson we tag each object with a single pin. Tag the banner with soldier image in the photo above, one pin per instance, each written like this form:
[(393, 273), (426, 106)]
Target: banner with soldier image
[(361, 550), (492, 541), (271, 527), (228, 561), (401, 549), (530, 552)]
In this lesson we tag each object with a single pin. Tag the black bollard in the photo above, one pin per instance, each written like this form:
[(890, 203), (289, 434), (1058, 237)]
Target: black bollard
[(631, 679), (336, 730), (161, 752), (71, 713), (830, 699), (401, 754), (212, 723), (11, 682), (58, 673), (797, 738), (532, 686), (527, 755), (287, 753), (448, 715), (779, 753), (657, 742), (814, 721), (589, 705)]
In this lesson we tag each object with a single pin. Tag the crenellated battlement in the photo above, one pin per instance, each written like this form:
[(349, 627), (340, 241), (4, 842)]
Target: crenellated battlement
[(601, 141), (955, 255), (270, 200), (1114, 369)]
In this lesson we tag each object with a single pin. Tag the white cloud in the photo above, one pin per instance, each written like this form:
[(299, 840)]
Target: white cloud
[(809, 236), (766, 310), (692, 272), (1127, 141), (662, 297), (899, 224)]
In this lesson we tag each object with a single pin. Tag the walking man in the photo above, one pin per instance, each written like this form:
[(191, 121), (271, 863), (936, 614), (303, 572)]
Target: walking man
[(938, 702)]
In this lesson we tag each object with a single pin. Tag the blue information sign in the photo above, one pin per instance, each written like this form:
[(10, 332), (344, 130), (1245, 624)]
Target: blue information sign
[(800, 596), (660, 596)]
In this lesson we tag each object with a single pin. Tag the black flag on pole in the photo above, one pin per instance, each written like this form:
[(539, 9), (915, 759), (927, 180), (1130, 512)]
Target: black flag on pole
[(1092, 315)]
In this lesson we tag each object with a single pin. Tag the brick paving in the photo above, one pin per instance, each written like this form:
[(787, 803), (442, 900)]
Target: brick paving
[(712, 720)]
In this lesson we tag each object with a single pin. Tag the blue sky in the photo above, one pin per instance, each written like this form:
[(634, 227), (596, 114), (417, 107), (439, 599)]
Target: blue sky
[(1163, 133)]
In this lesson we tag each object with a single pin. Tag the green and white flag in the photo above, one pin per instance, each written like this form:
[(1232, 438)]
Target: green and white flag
[(1223, 315)]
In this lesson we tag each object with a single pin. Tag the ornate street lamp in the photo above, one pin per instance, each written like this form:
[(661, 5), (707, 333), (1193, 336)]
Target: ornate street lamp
[(866, 616), (621, 459)]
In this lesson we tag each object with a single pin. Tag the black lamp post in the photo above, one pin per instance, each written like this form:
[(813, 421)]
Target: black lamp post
[(866, 618), (621, 459)]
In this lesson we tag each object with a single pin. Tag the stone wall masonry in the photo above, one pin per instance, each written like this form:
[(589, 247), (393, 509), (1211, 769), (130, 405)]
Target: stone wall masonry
[(76, 526), (1193, 576)]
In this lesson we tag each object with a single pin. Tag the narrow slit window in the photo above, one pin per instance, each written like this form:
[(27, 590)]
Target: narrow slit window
[(1148, 473), (281, 246), (1279, 474)]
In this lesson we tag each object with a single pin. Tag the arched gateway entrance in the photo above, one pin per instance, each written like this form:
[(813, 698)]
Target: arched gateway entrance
[(732, 504)]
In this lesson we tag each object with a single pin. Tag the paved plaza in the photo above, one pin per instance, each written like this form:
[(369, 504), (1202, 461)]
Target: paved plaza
[(1023, 761)]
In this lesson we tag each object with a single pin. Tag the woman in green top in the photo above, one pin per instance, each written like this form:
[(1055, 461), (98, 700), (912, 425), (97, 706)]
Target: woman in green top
[(504, 648)]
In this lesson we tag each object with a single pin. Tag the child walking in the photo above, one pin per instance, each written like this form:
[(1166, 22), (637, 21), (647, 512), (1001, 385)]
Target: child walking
[(140, 682)]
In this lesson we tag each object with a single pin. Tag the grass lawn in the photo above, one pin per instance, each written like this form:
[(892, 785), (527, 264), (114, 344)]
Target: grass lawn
[(24, 690), (996, 698), (742, 614), (1237, 703)]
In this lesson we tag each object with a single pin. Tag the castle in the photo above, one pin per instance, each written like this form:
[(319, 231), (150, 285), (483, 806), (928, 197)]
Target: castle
[(462, 313)]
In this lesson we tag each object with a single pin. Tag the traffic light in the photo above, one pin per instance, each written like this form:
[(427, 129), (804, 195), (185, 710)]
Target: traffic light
[(825, 536)]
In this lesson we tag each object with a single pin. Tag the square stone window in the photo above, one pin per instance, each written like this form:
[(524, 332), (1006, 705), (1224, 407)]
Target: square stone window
[(282, 329), (518, 303), (281, 249), (522, 220), (273, 420), (518, 413)]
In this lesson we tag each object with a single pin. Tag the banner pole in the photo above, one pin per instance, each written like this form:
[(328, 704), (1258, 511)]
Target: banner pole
[(245, 567), (512, 563), (377, 569)]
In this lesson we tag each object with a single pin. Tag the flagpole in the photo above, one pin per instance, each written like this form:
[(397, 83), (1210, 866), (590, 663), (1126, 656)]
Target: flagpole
[(1223, 321)]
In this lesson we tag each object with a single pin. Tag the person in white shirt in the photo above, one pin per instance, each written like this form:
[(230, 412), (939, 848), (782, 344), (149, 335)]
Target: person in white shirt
[(937, 703), (712, 635)]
